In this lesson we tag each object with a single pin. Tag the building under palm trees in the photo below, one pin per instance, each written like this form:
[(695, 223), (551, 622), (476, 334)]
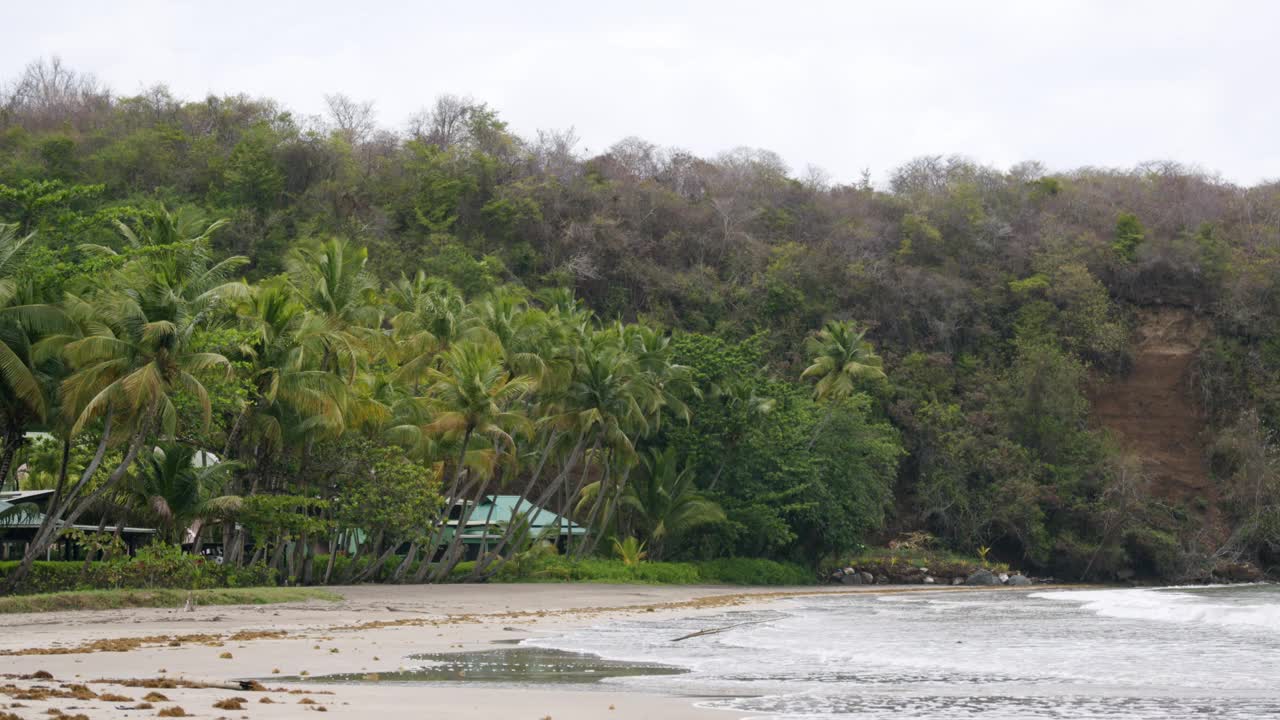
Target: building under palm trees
[(22, 513), (484, 524)]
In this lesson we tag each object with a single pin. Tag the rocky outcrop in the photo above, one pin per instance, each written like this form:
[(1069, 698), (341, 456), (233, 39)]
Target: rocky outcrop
[(881, 573), (982, 577)]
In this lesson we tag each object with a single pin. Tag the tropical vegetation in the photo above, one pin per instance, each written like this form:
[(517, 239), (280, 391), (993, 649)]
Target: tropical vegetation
[(691, 358)]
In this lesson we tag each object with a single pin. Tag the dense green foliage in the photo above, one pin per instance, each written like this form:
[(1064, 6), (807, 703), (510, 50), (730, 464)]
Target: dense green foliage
[(476, 333), (156, 566)]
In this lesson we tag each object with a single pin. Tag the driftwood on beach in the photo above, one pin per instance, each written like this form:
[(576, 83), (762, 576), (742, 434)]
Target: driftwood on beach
[(713, 631)]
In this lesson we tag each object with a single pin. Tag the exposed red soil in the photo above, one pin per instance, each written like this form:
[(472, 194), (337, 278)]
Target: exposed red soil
[(1153, 410)]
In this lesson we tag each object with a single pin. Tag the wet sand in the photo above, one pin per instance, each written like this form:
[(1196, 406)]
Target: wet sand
[(374, 631)]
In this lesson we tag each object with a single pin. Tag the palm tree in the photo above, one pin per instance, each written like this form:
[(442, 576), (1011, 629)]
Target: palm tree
[(130, 360), (430, 319), (22, 386), (177, 487), (662, 501), (283, 354), (842, 358), (333, 285), (471, 395)]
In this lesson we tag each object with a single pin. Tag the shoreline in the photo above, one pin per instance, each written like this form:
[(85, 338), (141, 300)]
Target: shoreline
[(373, 629)]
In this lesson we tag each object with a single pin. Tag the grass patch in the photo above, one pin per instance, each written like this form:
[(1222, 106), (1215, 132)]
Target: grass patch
[(111, 599)]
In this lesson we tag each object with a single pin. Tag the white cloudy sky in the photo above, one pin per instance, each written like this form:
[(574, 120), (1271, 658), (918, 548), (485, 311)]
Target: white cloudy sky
[(840, 85)]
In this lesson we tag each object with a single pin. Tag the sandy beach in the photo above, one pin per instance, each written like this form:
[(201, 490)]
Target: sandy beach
[(372, 630)]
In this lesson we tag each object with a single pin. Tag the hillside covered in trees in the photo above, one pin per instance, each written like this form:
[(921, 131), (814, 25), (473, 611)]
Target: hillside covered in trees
[(718, 356)]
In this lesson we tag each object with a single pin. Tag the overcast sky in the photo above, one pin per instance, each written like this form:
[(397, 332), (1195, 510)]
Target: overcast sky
[(842, 85)]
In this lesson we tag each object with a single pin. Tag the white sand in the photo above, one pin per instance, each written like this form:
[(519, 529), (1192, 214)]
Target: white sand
[(323, 637)]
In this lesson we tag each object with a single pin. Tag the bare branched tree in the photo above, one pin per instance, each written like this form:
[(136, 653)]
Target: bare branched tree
[(354, 120), (48, 93), (445, 124)]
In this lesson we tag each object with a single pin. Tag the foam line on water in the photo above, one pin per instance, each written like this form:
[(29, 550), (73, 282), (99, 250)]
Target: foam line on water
[(1170, 605)]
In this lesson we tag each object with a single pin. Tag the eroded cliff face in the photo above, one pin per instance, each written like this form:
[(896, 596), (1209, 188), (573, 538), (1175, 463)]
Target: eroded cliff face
[(1153, 410)]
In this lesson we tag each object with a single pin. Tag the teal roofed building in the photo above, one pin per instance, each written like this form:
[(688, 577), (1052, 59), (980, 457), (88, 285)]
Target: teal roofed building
[(486, 521)]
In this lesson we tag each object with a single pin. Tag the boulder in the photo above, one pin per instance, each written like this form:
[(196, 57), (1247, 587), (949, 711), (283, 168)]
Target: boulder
[(1018, 580), (851, 578), (867, 578), (928, 580), (957, 581), (881, 579), (1004, 577), (982, 577)]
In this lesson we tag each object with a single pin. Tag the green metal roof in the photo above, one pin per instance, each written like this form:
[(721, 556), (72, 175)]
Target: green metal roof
[(499, 509)]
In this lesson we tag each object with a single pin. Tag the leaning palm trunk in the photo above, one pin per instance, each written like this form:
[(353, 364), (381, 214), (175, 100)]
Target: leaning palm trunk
[(375, 543), (378, 561), (67, 509), (570, 498), (601, 494), (555, 485), (451, 498), (405, 564), (333, 556), (482, 553), (483, 563), (611, 507), (453, 552), (12, 441)]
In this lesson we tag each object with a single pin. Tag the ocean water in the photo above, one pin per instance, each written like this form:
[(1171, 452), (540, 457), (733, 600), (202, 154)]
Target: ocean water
[(1135, 654)]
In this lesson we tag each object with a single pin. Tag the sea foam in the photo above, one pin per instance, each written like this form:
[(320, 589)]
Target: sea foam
[(1172, 605)]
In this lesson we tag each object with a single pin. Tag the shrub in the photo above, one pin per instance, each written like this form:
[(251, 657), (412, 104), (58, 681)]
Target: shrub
[(155, 566), (754, 571), (733, 571)]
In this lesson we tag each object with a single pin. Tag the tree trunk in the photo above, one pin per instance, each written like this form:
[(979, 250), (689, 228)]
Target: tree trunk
[(405, 564), (541, 502), (13, 438), (359, 553), (333, 557), (567, 509), (601, 494), (484, 561), (611, 507), (53, 525), (453, 550)]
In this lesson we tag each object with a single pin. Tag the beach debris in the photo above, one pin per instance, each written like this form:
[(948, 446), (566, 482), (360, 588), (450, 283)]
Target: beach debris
[(225, 656), (231, 703), (713, 631), (172, 711), (155, 697)]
